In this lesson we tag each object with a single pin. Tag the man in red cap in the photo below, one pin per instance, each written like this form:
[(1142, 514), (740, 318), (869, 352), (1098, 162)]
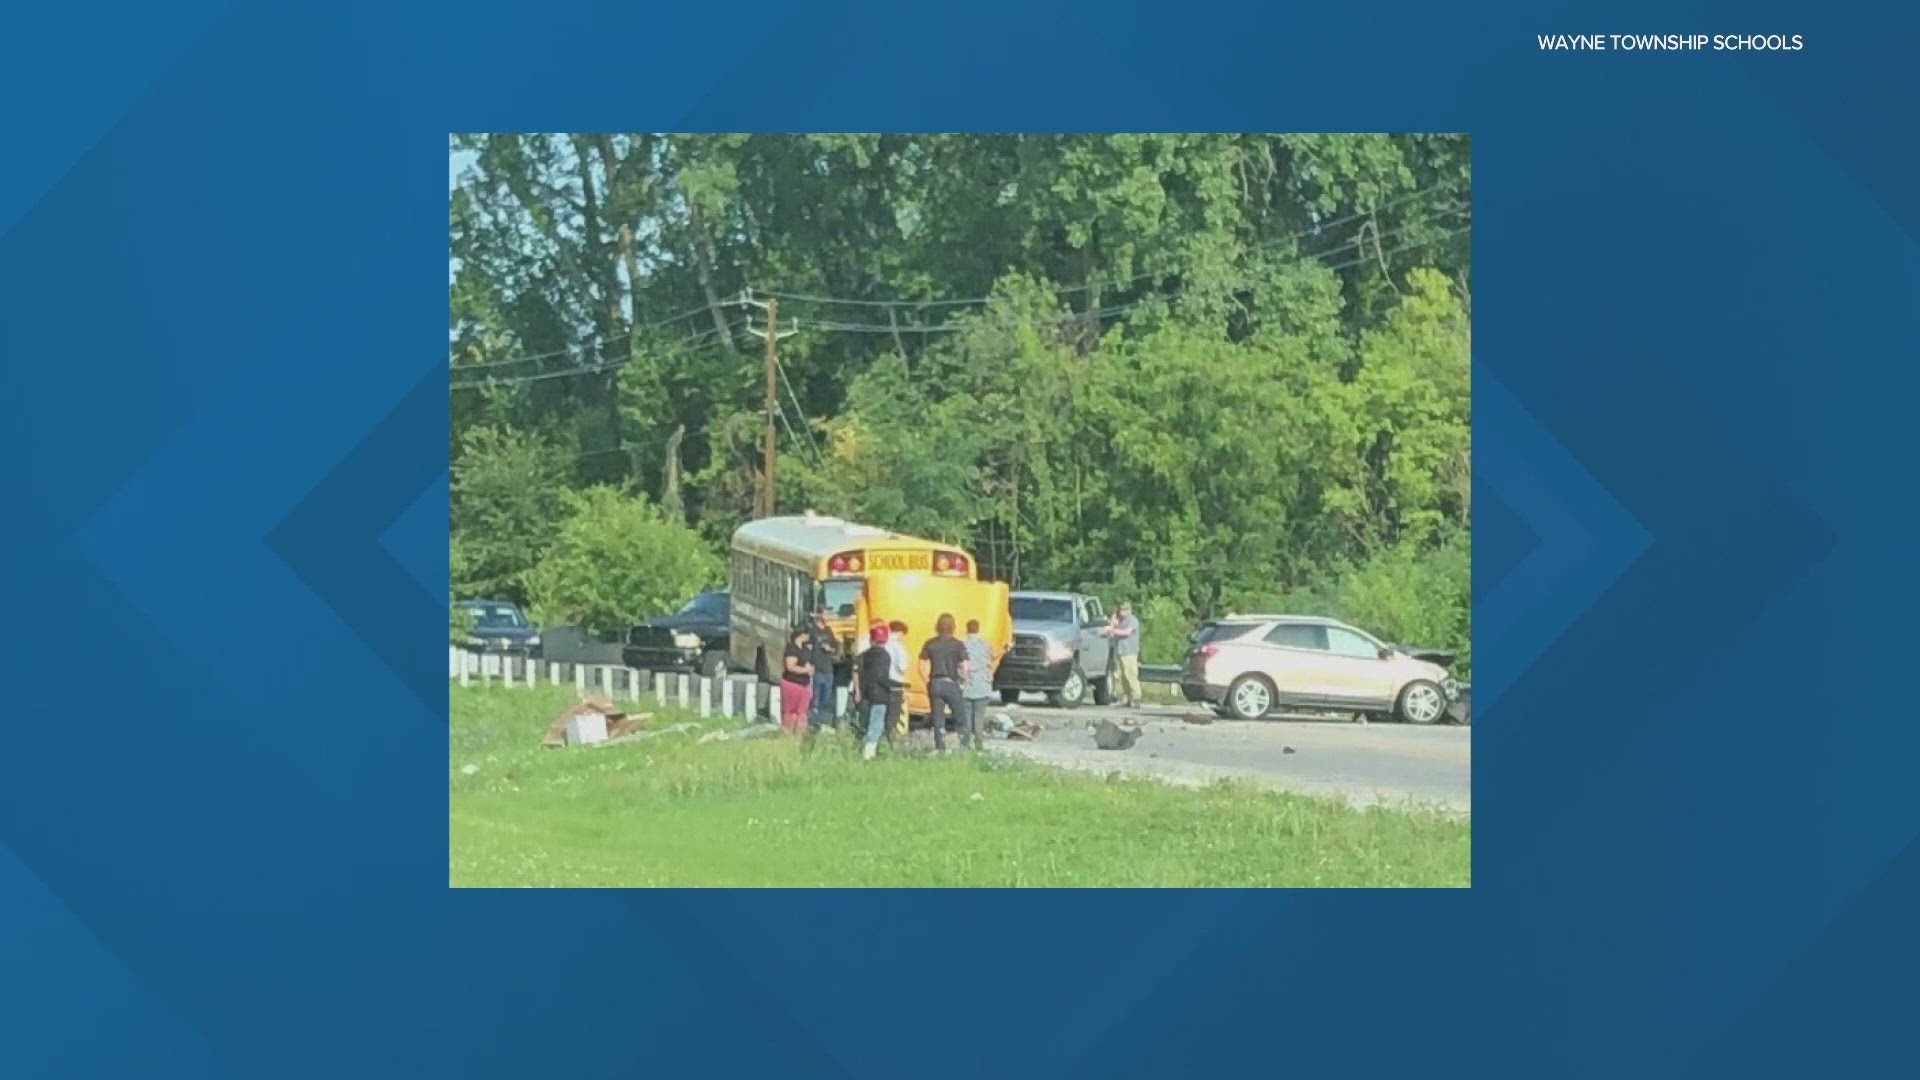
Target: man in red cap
[(874, 677)]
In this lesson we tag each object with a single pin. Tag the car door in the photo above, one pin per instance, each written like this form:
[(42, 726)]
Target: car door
[(1354, 670), (1294, 656), (1096, 650)]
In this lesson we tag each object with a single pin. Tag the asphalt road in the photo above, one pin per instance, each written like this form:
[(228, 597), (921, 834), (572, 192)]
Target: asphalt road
[(1363, 763)]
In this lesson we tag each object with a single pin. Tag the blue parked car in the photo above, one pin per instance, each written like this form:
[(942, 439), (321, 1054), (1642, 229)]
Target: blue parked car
[(500, 626)]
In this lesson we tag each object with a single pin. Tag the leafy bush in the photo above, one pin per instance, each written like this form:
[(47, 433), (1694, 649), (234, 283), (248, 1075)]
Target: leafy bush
[(618, 560), (1164, 629)]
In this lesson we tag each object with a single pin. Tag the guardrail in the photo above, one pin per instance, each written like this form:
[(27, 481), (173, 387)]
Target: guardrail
[(730, 695)]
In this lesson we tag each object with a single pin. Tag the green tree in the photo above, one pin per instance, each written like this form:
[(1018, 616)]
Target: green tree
[(509, 489), (617, 560)]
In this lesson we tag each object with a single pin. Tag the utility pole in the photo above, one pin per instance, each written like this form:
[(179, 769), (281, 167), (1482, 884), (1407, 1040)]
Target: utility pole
[(764, 502), (773, 402)]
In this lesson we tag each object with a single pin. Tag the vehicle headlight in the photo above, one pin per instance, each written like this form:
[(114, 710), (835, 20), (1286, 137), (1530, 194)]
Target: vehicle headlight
[(533, 642), (687, 641), (1059, 650), (476, 643), (1452, 688)]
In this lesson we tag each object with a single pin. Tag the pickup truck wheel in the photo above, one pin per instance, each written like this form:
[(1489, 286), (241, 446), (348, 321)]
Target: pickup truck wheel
[(1103, 691), (713, 665), (1009, 697), (1072, 693)]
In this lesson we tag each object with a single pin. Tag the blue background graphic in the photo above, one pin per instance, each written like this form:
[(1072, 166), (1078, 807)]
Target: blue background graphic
[(222, 819)]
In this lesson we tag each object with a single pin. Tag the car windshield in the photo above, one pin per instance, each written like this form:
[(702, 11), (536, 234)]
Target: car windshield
[(842, 597), (1219, 631), (1041, 609), (497, 616), (711, 604)]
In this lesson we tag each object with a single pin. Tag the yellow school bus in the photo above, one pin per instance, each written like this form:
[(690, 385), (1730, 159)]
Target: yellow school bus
[(783, 566)]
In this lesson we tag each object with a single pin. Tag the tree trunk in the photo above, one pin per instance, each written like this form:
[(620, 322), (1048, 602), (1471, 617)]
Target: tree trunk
[(703, 265)]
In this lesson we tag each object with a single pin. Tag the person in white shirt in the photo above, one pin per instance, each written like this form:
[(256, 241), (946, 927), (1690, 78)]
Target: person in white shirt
[(897, 649)]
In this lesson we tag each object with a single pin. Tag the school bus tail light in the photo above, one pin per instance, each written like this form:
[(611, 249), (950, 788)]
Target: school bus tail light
[(948, 562), (847, 562)]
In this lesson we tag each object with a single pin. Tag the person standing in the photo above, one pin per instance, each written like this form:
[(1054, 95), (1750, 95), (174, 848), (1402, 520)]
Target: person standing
[(796, 682), (979, 687), (824, 652), (896, 673), (1125, 632), (943, 664), (873, 674)]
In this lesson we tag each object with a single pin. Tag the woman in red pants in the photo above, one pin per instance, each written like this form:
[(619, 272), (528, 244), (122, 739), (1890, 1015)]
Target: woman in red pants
[(796, 683)]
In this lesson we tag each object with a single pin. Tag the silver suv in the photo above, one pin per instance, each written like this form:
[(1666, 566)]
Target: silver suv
[(1250, 665), (1058, 649)]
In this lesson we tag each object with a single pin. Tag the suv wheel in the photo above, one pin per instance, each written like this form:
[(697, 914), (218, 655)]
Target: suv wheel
[(1250, 697), (1009, 697), (1071, 693), (1421, 702)]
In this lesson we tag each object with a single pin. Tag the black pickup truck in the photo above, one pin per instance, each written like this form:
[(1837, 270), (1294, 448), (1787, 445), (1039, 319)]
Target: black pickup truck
[(695, 638)]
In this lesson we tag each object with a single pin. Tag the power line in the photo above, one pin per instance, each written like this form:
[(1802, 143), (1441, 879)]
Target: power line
[(621, 336), (580, 369), (819, 459), (944, 328), (1313, 230)]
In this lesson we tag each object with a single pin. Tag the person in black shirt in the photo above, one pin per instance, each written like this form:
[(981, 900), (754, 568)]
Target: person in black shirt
[(796, 682), (943, 664), (874, 675), (825, 650)]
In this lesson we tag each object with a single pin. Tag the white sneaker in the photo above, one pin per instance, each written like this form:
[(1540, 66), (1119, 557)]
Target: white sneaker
[(866, 751)]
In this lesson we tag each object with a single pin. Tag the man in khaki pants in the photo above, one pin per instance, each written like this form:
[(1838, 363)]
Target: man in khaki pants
[(1125, 632)]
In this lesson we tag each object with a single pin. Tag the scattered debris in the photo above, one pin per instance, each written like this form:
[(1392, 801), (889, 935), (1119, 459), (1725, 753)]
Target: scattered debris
[(636, 734), (1197, 718), (1025, 730), (469, 769), (591, 721), (1108, 735), (753, 731), (1286, 749), (1001, 723)]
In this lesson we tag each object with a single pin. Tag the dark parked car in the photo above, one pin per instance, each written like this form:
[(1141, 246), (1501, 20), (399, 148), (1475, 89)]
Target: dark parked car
[(694, 638), (500, 626)]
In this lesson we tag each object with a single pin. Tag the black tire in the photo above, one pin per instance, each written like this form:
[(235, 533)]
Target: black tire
[(1250, 697), (1103, 691), (713, 665), (1072, 694), (1421, 702), (1009, 697)]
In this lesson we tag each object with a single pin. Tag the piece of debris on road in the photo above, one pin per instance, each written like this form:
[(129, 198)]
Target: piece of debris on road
[(1197, 718), (590, 721), (1108, 735), (1025, 731)]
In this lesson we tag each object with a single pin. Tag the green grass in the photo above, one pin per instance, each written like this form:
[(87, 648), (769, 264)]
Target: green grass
[(782, 812)]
